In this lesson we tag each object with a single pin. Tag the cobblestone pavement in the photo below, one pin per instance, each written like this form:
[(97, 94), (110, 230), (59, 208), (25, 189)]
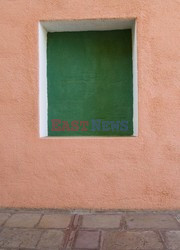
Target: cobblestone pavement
[(80, 230)]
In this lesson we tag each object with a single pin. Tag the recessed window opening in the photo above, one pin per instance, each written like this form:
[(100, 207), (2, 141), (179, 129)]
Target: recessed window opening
[(88, 78)]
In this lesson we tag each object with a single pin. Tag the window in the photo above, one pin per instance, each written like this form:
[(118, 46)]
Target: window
[(90, 82)]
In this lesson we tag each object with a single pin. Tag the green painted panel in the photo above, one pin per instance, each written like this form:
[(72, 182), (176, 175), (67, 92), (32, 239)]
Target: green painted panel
[(90, 79)]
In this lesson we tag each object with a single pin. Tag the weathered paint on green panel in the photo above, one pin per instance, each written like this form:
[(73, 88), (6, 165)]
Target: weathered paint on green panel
[(90, 77)]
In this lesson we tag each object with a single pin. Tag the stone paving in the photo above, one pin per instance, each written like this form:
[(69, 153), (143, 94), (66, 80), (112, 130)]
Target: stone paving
[(80, 230)]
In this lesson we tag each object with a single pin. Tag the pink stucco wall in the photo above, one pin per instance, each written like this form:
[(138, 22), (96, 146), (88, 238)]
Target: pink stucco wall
[(126, 173)]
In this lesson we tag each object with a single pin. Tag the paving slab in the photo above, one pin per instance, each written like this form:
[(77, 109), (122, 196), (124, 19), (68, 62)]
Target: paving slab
[(52, 239), (17, 237), (3, 217), (178, 218), (148, 221), (17, 248), (27, 230), (87, 240), (55, 221), (147, 240), (101, 221), (173, 240), (26, 220)]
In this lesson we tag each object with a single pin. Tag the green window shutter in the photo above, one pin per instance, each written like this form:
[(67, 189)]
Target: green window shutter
[(90, 79)]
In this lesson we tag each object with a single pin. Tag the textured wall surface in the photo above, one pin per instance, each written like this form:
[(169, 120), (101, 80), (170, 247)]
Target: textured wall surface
[(141, 172)]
